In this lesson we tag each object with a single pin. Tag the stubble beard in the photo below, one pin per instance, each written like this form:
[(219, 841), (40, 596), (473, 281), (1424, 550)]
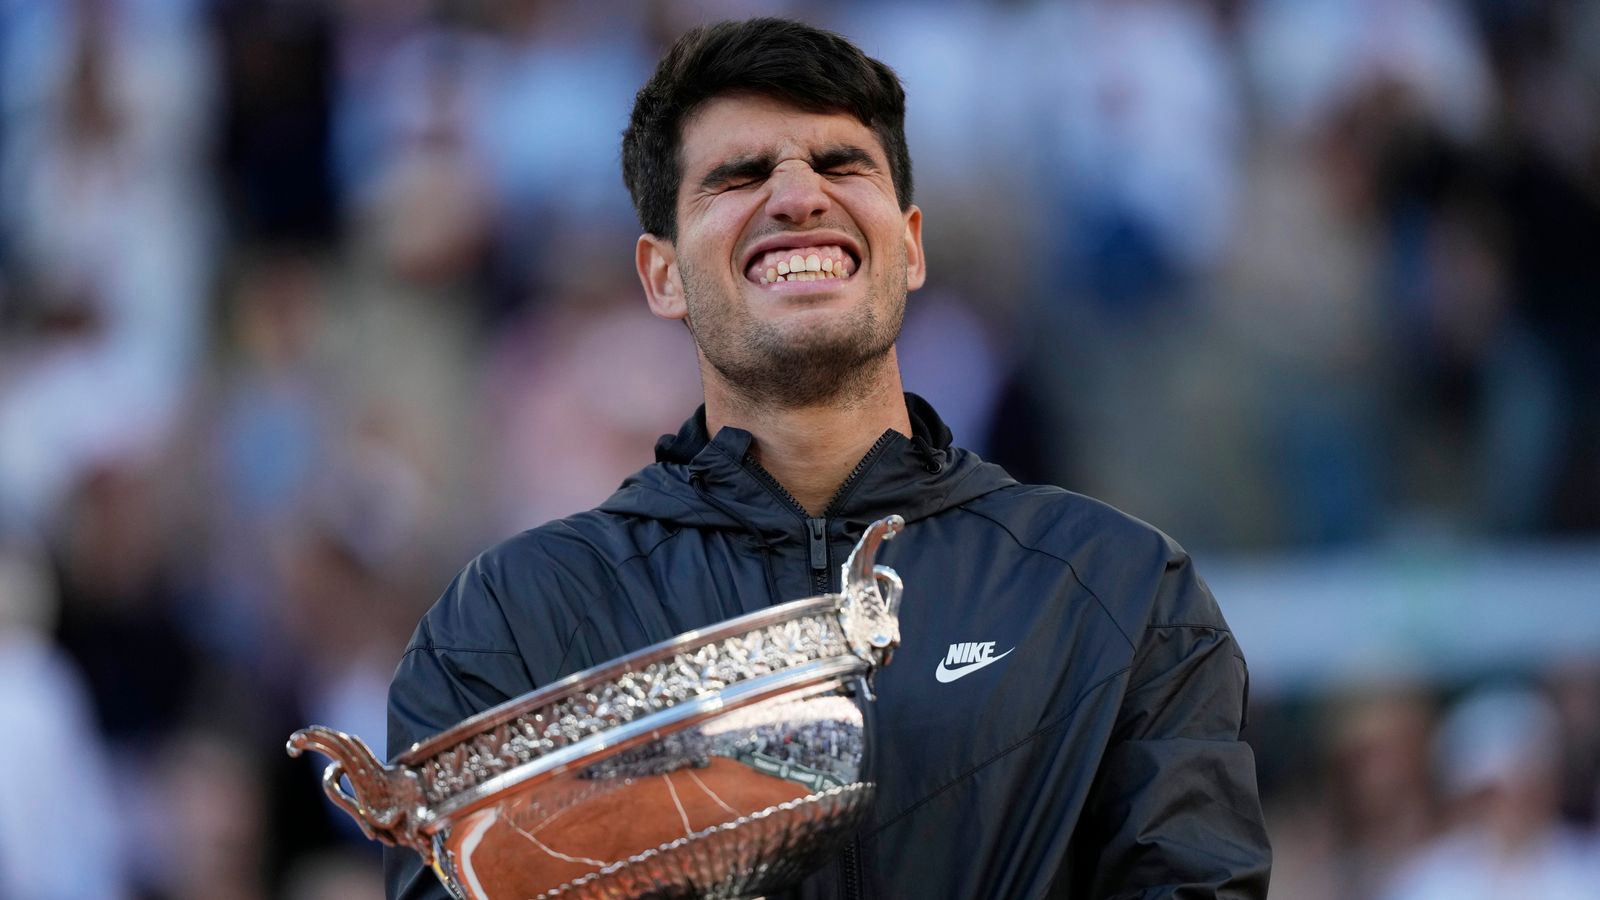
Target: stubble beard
[(763, 364)]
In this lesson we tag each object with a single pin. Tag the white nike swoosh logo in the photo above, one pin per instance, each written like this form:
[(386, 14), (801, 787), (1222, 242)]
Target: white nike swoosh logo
[(946, 676)]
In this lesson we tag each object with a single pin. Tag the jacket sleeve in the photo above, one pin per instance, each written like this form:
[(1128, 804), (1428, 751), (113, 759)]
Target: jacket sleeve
[(1174, 810), (461, 660)]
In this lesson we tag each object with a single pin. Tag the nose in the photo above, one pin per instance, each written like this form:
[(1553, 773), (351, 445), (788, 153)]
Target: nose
[(797, 194)]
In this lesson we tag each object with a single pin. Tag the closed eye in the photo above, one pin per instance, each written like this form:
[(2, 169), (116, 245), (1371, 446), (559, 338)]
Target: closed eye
[(737, 174), (752, 170), (836, 162)]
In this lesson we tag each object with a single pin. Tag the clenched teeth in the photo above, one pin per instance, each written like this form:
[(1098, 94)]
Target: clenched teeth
[(814, 264)]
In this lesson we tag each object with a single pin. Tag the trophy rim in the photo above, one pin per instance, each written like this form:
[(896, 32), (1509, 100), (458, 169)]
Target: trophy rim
[(599, 747), (424, 750)]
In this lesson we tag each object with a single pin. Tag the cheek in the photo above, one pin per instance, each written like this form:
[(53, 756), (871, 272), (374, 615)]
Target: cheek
[(715, 232), (879, 218)]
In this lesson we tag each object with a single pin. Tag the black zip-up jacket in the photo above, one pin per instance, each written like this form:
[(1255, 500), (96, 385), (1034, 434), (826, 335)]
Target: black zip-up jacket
[(1099, 757)]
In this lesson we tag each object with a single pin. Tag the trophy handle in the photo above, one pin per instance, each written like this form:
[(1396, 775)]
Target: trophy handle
[(870, 611), (386, 802)]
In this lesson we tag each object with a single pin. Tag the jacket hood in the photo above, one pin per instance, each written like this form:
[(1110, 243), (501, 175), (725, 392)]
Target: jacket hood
[(709, 481)]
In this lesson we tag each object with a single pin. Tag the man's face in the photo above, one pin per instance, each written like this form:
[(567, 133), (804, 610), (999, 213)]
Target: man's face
[(793, 257)]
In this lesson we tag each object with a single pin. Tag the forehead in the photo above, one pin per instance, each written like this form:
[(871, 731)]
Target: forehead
[(749, 125)]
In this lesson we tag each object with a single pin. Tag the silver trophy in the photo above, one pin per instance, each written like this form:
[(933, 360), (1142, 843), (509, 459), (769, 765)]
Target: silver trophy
[(725, 762)]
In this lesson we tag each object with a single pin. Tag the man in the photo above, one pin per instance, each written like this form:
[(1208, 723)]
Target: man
[(1088, 747)]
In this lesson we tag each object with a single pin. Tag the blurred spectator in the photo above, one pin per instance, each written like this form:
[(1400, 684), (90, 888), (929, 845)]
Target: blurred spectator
[(264, 431), (1382, 803), (1497, 760), (1310, 57), (1575, 691), (558, 451), (972, 73), (59, 824), (372, 66), (428, 199), (948, 356), (1549, 192), (556, 101), (348, 576), (1301, 347), (1140, 125), (104, 204), (1145, 120), (276, 147), (205, 837), (121, 596)]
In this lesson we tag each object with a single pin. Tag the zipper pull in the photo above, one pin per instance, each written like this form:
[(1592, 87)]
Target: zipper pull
[(818, 529)]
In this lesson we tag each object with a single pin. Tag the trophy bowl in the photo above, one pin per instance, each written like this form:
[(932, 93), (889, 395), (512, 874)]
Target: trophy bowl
[(725, 762)]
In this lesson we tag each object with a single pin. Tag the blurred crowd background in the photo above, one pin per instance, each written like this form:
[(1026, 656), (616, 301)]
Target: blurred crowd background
[(303, 302)]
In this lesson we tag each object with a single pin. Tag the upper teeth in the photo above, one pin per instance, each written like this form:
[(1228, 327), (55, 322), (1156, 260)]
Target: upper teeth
[(802, 264)]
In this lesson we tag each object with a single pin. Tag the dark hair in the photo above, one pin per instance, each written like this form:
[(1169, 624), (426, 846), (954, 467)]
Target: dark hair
[(807, 67)]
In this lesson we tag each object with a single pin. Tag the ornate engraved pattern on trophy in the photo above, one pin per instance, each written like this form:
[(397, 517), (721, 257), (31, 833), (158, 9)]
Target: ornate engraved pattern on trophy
[(696, 672)]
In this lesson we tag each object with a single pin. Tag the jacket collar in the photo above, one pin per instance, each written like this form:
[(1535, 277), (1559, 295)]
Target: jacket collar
[(692, 438), (711, 481)]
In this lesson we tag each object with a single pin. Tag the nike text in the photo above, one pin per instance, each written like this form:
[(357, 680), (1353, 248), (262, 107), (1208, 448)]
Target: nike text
[(960, 654), (969, 657)]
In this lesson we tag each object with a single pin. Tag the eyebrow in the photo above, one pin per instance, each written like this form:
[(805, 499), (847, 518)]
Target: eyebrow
[(750, 166)]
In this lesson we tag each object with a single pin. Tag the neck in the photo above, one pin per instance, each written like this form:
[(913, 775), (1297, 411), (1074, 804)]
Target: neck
[(812, 449)]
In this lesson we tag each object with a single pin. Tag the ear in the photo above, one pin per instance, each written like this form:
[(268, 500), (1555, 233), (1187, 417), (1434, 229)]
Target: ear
[(916, 262), (657, 261)]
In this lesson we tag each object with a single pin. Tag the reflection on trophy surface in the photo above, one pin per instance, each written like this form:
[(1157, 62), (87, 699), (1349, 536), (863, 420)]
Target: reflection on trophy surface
[(724, 762)]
